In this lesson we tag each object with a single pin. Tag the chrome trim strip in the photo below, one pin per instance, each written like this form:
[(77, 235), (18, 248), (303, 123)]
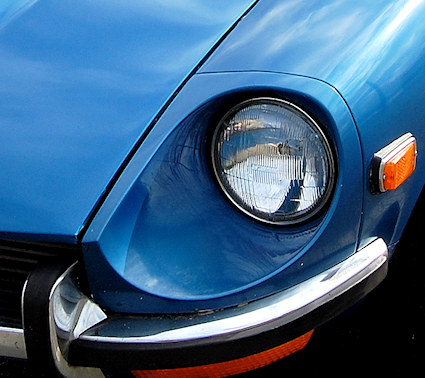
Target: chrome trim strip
[(70, 313), (12, 343), (230, 324), (253, 318)]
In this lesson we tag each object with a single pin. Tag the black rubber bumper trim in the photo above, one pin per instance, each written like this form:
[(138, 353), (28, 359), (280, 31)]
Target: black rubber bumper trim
[(36, 314), (193, 353)]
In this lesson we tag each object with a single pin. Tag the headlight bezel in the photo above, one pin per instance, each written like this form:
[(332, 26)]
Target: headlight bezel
[(323, 135)]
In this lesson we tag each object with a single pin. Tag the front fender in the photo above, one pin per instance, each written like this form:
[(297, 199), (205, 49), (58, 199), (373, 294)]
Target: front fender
[(166, 239)]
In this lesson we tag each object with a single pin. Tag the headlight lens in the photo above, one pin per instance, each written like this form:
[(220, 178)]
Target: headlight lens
[(273, 161)]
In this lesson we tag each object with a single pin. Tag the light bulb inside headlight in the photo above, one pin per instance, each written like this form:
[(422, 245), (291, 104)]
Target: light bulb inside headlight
[(273, 161)]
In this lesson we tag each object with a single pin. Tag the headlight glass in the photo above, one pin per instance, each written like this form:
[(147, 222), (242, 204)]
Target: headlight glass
[(273, 161)]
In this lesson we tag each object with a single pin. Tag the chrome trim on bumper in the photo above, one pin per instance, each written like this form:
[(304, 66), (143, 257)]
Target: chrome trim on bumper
[(70, 313), (77, 324), (253, 318), (12, 343)]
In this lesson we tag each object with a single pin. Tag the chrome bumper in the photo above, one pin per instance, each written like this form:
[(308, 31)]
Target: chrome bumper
[(12, 343), (81, 334)]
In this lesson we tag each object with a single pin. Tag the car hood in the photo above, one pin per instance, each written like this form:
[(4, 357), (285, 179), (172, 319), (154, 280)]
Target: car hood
[(79, 84)]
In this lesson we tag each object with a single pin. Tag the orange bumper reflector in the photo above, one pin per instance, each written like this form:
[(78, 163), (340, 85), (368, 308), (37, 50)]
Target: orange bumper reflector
[(225, 369), (399, 167)]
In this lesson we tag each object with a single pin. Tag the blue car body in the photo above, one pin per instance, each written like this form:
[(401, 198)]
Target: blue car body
[(106, 111)]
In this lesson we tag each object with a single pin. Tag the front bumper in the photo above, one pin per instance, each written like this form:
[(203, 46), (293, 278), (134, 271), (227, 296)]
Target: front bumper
[(78, 333)]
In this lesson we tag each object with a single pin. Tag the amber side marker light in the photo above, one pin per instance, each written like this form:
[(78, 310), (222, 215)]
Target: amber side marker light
[(228, 368), (392, 165)]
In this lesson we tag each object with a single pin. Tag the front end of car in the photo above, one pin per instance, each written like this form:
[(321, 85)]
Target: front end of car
[(187, 268), (233, 229)]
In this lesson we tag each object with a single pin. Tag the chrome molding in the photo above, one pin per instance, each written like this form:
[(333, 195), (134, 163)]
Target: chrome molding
[(73, 316), (12, 340), (250, 319), (71, 313), (12, 343)]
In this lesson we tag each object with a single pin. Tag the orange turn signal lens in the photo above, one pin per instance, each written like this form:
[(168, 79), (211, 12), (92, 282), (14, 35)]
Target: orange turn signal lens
[(399, 167), (393, 164), (228, 368)]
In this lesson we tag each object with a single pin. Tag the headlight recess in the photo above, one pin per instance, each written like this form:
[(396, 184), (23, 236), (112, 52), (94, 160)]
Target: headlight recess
[(273, 161)]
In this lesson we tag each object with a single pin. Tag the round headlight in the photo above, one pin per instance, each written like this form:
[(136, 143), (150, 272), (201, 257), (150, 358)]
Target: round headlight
[(273, 161)]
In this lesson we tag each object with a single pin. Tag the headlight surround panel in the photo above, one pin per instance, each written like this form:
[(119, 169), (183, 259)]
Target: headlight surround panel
[(273, 161), (168, 240), (186, 231)]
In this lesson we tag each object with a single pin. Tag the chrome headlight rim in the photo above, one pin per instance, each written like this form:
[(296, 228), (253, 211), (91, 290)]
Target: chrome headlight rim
[(327, 144)]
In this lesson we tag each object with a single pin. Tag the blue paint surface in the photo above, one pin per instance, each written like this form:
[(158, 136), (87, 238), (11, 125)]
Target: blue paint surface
[(79, 83), (190, 248), (347, 64)]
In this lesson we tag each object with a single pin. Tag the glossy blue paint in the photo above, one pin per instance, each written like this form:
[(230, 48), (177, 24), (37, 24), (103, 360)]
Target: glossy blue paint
[(82, 81), (79, 84), (181, 254), (371, 52), (188, 248), (9, 9)]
